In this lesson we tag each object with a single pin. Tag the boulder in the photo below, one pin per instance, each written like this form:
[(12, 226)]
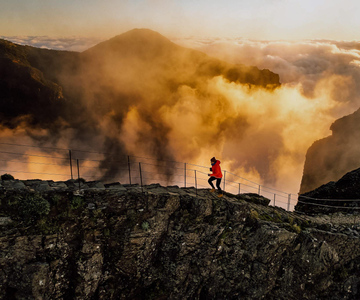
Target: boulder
[(13, 184)]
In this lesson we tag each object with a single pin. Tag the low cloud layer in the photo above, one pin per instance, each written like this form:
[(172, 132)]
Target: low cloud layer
[(55, 43), (260, 134), (317, 67)]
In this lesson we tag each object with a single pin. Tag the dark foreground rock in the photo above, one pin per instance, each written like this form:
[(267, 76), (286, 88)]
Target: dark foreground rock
[(153, 242), (342, 195)]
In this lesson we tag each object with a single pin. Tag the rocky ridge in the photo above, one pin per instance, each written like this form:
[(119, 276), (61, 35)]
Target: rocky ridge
[(131, 242), (334, 196)]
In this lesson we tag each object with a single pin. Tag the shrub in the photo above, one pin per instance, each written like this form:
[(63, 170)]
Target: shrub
[(33, 206), (291, 220), (55, 199), (145, 225), (254, 215), (77, 202), (81, 180), (296, 228), (7, 177)]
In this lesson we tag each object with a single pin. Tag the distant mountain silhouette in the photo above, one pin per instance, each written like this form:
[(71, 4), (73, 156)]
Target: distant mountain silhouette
[(330, 158), (146, 49)]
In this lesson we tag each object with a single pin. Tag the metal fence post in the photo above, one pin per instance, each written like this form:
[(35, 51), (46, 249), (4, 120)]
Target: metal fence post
[(239, 188), (141, 182), (259, 189), (195, 183), (129, 169), (78, 169), (71, 172), (224, 179), (288, 206), (185, 175), (274, 199)]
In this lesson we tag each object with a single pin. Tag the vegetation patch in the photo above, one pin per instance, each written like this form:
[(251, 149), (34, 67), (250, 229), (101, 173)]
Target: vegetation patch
[(77, 202), (7, 177), (145, 225), (32, 207), (48, 226), (254, 215), (296, 228)]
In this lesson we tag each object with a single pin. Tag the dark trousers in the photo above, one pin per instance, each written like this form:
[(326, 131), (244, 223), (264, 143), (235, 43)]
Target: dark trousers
[(218, 181)]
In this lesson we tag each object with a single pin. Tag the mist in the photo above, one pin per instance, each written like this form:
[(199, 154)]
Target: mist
[(152, 101), (319, 85)]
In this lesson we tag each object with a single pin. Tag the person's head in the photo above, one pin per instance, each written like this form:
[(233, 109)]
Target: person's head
[(213, 160)]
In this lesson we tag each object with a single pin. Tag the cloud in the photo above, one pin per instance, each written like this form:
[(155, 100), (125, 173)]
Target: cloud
[(319, 85), (56, 43), (258, 133), (318, 66)]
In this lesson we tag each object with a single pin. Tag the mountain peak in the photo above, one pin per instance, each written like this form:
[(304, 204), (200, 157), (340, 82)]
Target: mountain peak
[(134, 40), (141, 33)]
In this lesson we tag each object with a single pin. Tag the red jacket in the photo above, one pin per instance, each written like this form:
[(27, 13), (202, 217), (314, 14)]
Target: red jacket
[(216, 170)]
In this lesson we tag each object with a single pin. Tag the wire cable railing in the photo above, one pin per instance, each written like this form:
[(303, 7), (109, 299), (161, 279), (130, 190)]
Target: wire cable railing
[(154, 170), (136, 169)]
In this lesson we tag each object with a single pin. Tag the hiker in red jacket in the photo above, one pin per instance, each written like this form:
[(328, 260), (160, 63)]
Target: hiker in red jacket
[(216, 174)]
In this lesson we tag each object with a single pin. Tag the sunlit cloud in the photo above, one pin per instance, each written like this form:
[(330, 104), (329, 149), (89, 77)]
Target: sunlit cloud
[(310, 64), (258, 133)]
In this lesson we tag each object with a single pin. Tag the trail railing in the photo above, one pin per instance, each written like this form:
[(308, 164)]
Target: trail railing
[(29, 162)]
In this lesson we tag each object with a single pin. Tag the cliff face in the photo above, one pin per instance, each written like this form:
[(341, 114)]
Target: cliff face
[(128, 242), (332, 157)]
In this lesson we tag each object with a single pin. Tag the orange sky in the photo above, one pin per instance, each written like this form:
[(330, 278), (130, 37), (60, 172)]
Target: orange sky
[(256, 19)]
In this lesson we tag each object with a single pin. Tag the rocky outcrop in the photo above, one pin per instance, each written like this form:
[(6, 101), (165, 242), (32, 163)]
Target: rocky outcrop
[(332, 157), (154, 242), (342, 195)]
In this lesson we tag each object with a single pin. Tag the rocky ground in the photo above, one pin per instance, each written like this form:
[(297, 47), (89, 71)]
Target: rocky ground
[(130, 242)]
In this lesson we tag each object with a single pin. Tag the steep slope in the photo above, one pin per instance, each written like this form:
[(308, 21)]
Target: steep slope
[(27, 96), (153, 242), (330, 158)]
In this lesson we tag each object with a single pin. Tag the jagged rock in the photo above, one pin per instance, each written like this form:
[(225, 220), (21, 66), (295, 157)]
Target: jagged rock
[(32, 182), (60, 185), (115, 185), (13, 184), (38, 185), (74, 184), (95, 185), (5, 221), (255, 198), (91, 206), (172, 243)]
